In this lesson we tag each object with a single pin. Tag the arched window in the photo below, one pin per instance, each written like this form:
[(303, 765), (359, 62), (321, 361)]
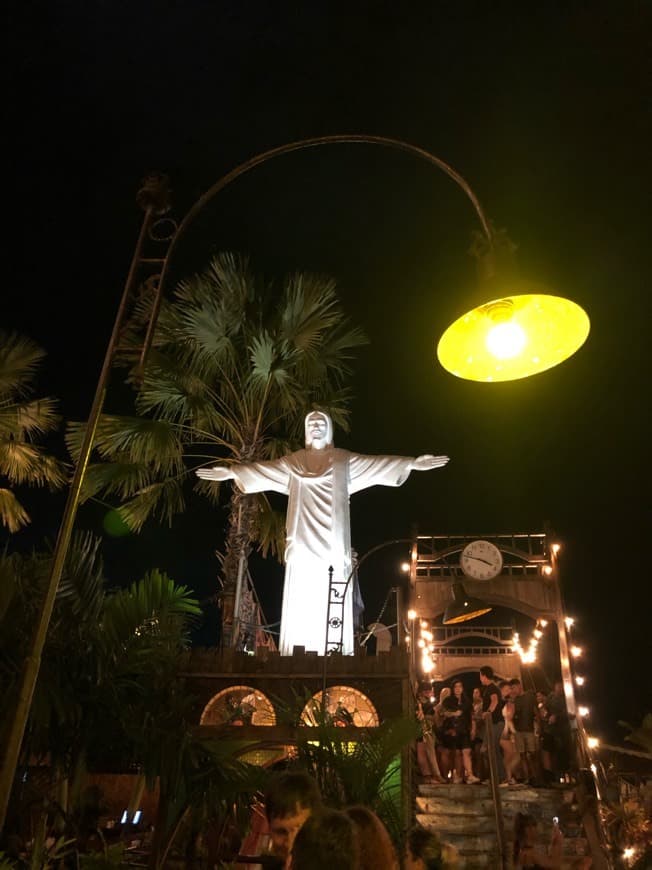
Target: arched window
[(239, 705), (244, 705), (345, 706)]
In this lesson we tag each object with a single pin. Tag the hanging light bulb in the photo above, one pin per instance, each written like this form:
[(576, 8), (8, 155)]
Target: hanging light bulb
[(520, 329), (505, 340)]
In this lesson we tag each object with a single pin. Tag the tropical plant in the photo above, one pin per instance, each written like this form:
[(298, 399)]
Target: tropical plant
[(364, 771), (23, 420), (234, 366), (110, 663), (201, 782), (101, 647)]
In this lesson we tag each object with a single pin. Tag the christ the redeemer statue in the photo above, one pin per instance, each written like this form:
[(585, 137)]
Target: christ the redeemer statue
[(318, 482)]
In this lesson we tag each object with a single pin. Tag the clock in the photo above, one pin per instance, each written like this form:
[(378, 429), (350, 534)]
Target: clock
[(481, 560)]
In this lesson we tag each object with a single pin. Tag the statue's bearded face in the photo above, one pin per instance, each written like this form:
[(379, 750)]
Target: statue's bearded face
[(319, 430)]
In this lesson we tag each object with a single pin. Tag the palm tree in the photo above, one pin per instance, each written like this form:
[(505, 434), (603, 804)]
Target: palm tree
[(234, 367), (22, 420), (109, 690)]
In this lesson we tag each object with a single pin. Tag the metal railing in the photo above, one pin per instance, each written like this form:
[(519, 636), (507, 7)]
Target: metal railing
[(495, 792)]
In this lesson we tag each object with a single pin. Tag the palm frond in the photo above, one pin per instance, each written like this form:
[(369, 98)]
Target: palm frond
[(123, 479), (310, 309), (22, 420), (82, 580), (24, 463), (136, 439), (147, 609), (163, 500), (19, 359), (210, 489), (268, 531)]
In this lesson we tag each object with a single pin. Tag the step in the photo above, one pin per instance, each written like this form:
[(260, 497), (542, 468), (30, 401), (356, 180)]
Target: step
[(461, 823), (463, 793), (482, 806), (464, 841)]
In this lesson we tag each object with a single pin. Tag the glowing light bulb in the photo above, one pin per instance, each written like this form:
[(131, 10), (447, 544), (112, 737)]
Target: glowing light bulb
[(405, 567), (411, 614), (583, 711), (513, 337), (537, 633), (629, 853), (580, 681), (570, 622), (576, 651), (556, 548), (506, 340), (547, 569), (543, 623), (593, 742), (421, 643)]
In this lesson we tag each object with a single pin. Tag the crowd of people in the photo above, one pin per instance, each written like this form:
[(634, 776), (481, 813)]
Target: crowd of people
[(529, 730), (303, 834)]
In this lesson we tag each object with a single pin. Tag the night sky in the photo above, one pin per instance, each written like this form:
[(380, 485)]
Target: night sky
[(545, 111)]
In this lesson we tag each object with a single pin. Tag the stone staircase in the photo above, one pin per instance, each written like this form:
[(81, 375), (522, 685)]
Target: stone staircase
[(463, 815)]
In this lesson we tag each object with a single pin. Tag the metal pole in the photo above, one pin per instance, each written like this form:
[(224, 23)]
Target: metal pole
[(495, 791), (32, 661), (153, 198), (399, 616), (235, 626)]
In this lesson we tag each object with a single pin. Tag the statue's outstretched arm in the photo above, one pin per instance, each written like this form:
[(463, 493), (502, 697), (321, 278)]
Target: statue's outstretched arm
[(428, 462), (217, 472)]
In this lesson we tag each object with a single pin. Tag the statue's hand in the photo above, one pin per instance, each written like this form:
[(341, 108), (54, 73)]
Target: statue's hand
[(217, 472), (427, 462)]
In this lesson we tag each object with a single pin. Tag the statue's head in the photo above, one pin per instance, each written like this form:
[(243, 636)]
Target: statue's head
[(319, 430)]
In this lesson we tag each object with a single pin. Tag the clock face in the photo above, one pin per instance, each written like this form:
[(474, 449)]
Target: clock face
[(481, 560)]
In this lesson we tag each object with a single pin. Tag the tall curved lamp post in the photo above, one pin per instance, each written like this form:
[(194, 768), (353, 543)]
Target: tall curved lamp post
[(492, 342)]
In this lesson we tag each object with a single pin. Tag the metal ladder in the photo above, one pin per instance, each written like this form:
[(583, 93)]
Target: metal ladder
[(335, 614)]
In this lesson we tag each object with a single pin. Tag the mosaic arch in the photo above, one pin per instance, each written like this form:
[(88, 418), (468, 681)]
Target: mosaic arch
[(244, 705), (239, 705), (345, 705)]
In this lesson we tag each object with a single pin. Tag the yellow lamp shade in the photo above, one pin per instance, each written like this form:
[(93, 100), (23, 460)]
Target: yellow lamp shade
[(513, 337)]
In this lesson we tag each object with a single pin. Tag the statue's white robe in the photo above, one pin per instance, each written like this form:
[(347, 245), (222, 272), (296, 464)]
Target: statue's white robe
[(318, 484)]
